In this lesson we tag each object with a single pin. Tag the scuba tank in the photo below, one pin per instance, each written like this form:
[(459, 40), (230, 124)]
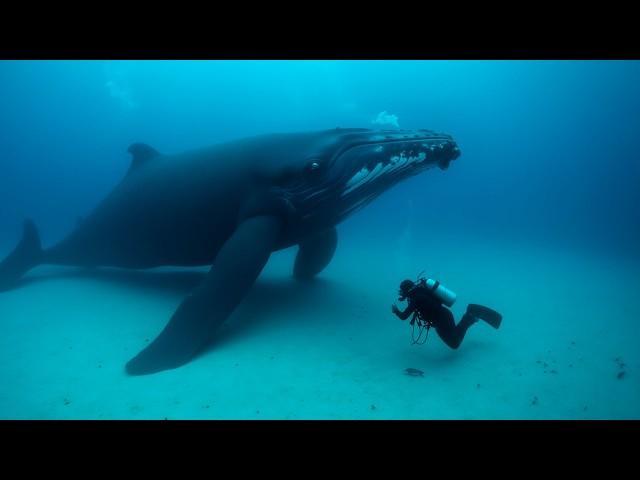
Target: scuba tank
[(441, 292)]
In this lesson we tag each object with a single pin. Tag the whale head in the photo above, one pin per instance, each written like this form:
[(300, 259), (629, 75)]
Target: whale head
[(340, 171)]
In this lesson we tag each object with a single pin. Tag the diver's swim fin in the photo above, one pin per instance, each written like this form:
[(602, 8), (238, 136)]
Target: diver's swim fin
[(492, 317)]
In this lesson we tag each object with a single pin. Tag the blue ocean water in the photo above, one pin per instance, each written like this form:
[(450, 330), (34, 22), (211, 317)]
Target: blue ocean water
[(540, 217)]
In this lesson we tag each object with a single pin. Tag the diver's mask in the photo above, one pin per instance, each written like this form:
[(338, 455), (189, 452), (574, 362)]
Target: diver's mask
[(405, 288)]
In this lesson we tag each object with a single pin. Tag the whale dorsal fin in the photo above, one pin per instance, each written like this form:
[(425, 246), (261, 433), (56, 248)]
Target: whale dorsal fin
[(141, 153)]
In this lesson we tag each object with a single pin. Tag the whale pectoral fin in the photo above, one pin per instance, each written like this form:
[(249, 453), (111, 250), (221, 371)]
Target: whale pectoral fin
[(236, 267), (315, 253), (26, 255)]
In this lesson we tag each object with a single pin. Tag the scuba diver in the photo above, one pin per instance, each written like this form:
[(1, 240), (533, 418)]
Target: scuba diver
[(428, 302)]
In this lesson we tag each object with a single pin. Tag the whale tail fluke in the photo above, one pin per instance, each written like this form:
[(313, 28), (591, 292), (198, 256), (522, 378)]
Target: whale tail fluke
[(24, 257)]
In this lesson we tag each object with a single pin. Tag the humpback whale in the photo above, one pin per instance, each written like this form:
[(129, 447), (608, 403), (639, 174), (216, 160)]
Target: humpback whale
[(230, 206)]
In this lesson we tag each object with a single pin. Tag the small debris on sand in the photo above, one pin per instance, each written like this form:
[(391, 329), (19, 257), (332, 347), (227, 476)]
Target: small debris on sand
[(477, 385), (373, 407), (67, 401), (534, 401), (414, 372)]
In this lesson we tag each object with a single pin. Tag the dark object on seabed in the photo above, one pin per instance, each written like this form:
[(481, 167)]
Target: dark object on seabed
[(414, 372), (490, 316)]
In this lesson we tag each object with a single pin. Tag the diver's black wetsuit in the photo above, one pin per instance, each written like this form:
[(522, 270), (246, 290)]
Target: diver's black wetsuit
[(423, 303)]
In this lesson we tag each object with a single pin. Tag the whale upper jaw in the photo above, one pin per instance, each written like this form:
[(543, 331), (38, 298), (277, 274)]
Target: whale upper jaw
[(365, 164), (392, 161), (375, 165)]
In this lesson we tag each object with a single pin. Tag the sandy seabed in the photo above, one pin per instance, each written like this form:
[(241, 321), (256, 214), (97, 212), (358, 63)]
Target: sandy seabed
[(331, 349)]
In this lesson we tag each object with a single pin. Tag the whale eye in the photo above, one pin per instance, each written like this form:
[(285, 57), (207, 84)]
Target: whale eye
[(313, 167)]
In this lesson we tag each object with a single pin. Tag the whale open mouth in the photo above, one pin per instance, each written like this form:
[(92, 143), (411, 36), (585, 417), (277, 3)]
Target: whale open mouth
[(389, 162), (394, 164), (364, 165)]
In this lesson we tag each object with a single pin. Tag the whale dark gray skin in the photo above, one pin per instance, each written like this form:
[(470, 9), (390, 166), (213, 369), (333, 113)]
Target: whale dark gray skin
[(230, 206)]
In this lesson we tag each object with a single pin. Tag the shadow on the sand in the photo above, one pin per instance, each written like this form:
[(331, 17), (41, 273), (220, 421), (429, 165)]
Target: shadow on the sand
[(280, 302), (270, 301), (178, 281), (273, 303)]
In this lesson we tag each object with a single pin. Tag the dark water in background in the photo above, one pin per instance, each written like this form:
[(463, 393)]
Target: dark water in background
[(549, 148)]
